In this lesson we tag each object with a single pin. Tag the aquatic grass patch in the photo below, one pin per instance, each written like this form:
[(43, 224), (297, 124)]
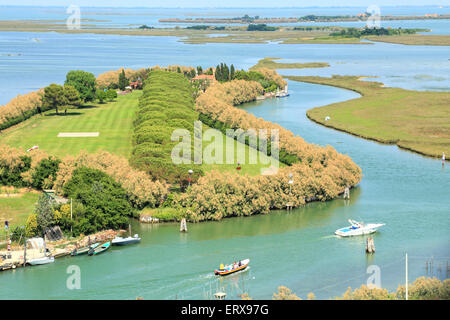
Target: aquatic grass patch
[(270, 63), (415, 120)]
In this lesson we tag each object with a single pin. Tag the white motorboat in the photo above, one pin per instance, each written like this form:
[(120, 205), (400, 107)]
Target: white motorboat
[(42, 260), (358, 228), (120, 241)]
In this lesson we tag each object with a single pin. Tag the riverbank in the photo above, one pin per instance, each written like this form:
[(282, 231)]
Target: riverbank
[(420, 121)]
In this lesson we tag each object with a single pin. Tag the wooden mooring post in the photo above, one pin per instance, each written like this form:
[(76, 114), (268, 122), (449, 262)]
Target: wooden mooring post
[(183, 226), (370, 245), (347, 193)]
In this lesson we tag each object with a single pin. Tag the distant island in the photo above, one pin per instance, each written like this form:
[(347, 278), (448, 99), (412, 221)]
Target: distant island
[(308, 18)]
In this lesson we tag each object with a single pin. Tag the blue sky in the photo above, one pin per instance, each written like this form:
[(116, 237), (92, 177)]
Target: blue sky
[(222, 3)]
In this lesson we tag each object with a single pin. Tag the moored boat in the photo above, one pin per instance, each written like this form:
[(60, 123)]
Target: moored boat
[(232, 268), (120, 241), (100, 249), (358, 228), (85, 250), (42, 260)]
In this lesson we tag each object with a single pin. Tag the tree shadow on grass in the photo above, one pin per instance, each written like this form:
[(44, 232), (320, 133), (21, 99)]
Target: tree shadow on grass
[(62, 114), (88, 106)]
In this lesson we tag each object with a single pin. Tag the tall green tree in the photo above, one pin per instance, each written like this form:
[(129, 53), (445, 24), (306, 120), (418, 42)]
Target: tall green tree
[(84, 82), (232, 71), (104, 200), (72, 96), (54, 97), (44, 212), (123, 81)]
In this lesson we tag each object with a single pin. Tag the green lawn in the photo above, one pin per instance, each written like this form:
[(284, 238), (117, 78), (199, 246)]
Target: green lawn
[(113, 121), (415, 120), (17, 209)]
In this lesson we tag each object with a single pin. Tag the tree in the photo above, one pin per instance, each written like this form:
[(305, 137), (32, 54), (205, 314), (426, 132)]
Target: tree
[(54, 97), (111, 94), (44, 212), (123, 81), (105, 201), (72, 96), (46, 170), (100, 95), (31, 226), (84, 82), (232, 72)]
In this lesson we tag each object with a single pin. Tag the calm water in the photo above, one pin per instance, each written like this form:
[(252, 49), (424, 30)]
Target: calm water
[(404, 190)]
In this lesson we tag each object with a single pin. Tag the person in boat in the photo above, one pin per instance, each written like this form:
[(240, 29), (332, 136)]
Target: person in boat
[(221, 266), (240, 263)]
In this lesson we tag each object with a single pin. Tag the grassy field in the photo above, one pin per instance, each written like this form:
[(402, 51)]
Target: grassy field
[(16, 209), (271, 64), (112, 120), (415, 120), (415, 39)]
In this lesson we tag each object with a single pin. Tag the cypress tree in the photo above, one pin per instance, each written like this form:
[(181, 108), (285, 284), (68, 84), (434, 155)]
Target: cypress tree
[(123, 81), (232, 72)]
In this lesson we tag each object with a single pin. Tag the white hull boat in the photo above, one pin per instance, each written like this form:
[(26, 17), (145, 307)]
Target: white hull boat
[(43, 260), (358, 228), (119, 241)]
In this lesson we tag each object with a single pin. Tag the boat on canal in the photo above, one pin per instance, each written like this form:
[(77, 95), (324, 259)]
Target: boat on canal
[(85, 250), (358, 228), (119, 241), (41, 260), (232, 268), (100, 249)]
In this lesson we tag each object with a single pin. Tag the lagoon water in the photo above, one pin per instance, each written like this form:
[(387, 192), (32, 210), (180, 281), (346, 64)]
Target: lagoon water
[(406, 191)]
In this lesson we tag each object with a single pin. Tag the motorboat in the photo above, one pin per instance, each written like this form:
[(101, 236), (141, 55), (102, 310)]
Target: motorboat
[(358, 228), (232, 268), (120, 241), (42, 260)]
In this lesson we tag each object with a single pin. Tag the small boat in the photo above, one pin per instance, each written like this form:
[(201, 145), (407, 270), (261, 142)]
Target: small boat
[(100, 249), (229, 269), (80, 251), (42, 260), (119, 241), (358, 228)]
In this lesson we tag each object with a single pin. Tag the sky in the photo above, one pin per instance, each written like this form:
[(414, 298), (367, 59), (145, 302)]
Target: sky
[(223, 3)]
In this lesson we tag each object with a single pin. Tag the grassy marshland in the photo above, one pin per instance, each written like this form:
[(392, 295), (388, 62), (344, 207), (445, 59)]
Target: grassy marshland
[(415, 120)]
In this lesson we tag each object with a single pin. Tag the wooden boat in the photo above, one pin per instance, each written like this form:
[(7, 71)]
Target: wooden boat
[(85, 250), (119, 241), (100, 249), (229, 269), (42, 260)]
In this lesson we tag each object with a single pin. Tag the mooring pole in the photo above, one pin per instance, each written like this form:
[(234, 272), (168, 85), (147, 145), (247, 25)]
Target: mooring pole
[(406, 273)]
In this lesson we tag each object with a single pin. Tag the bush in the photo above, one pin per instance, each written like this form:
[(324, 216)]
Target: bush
[(46, 169), (31, 226)]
